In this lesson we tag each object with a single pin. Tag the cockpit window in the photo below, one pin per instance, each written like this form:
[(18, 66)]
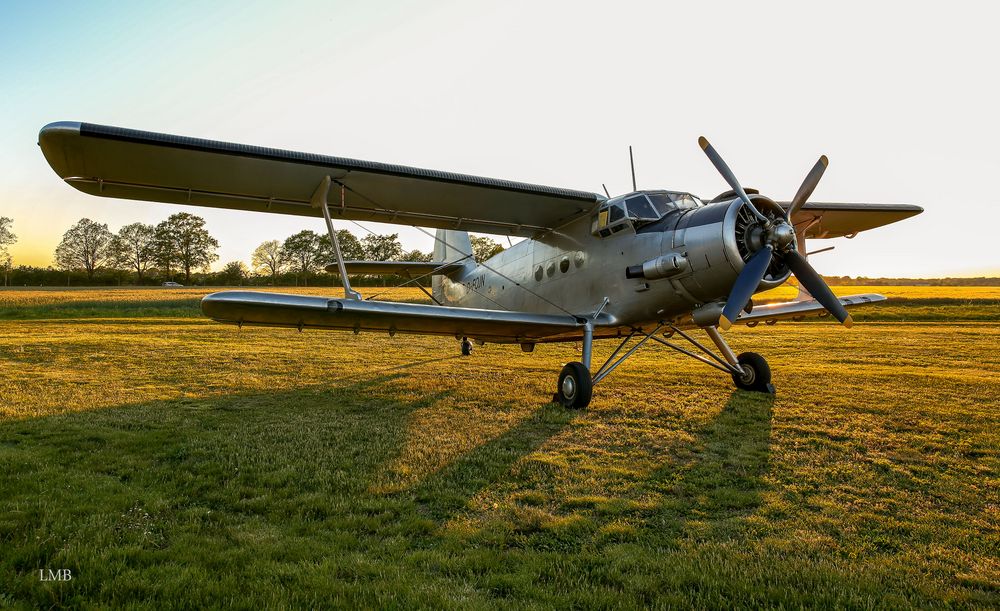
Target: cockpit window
[(685, 200), (661, 202), (639, 208)]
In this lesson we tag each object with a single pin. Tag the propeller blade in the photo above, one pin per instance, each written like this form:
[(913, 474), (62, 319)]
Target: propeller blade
[(745, 285), (808, 186), (728, 175), (814, 283)]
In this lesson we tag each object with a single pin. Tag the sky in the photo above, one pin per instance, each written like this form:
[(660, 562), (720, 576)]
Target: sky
[(900, 96)]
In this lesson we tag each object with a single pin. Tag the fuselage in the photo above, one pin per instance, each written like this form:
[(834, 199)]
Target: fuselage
[(690, 250)]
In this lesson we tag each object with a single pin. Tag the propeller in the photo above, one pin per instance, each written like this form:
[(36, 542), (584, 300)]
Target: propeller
[(808, 186), (778, 243), (745, 285), (723, 169)]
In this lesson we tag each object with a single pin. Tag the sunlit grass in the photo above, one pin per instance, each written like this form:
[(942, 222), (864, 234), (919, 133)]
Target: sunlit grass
[(20, 304), (176, 462)]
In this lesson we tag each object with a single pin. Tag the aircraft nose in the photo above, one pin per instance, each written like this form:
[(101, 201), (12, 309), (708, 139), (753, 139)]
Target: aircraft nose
[(782, 234)]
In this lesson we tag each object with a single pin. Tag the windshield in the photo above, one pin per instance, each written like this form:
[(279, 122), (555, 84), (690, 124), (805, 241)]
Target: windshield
[(639, 209)]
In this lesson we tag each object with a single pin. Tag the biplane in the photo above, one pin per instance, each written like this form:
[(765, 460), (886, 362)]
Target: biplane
[(646, 266)]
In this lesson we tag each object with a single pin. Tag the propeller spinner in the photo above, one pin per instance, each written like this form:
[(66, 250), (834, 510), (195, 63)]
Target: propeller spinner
[(778, 240)]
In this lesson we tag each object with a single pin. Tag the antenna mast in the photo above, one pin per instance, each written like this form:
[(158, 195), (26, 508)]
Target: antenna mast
[(631, 162)]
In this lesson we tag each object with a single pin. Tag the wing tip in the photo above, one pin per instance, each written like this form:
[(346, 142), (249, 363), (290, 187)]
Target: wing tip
[(59, 128)]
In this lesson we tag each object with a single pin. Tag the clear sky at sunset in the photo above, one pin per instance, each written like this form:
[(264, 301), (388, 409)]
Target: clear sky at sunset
[(902, 97)]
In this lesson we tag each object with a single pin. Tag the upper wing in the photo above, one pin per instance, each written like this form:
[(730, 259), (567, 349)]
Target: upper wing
[(131, 164), (834, 220), (301, 311)]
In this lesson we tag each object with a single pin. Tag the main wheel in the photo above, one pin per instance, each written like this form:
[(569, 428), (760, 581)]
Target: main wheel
[(575, 386), (466, 347), (756, 373)]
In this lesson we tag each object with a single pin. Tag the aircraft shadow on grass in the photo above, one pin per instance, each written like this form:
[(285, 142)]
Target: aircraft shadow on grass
[(719, 479), (301, 453)]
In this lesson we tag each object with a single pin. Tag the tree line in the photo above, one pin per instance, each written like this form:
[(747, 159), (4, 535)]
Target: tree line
[(181, 249)]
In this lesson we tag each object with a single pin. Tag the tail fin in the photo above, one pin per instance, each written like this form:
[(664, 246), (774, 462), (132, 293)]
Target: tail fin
[(451, 246)]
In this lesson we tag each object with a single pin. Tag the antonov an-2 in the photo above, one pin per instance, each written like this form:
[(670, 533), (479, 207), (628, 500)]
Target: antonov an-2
[(649, 265)]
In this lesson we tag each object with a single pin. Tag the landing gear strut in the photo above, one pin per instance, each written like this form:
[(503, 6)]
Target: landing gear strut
[(749, 370), (576, 386)]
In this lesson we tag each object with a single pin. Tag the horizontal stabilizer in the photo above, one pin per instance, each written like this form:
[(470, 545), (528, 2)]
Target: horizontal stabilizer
[(303, 311), (399, 268)]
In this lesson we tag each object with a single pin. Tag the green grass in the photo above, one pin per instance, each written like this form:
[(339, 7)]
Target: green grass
[(172, 462)]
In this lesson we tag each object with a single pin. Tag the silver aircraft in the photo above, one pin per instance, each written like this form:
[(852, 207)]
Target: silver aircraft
[(650, 265)]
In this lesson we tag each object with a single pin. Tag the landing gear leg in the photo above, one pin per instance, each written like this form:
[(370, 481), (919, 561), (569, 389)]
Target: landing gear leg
[(751, 371), (466, 347), (576, 386)]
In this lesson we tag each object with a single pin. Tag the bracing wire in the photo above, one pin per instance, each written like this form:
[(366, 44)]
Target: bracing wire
[(465, 255)]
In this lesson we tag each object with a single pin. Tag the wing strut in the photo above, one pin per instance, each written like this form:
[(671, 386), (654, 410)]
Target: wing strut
[(319, 200)]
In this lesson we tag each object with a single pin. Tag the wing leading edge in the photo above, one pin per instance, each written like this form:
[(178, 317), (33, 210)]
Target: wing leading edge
[(131, 164)]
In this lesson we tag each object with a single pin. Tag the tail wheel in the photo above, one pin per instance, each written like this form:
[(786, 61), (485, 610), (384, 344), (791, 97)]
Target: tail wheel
[(756, 374), (575, 386), (466, 347)]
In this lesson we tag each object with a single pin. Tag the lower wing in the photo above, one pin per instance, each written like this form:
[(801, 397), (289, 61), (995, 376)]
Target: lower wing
[(769, 313), (400, 268), (303, 311)]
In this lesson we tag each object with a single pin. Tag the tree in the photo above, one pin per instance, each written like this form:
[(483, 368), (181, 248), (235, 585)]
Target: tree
[(303, 250), (84, 246), (134, 248), (7, 238), (235, 272), (484, 248), (382, 247), (269, 258), (350, 247), (416, 255), (164, 253), (183, 239)]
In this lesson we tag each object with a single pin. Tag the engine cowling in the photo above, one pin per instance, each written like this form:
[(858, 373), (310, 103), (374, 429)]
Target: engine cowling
[(717, 240)]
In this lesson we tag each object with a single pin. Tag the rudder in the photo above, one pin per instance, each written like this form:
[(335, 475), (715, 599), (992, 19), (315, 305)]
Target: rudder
[(449, 246)]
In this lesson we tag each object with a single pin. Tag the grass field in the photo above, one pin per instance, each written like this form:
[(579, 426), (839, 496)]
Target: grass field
[(172, 462)]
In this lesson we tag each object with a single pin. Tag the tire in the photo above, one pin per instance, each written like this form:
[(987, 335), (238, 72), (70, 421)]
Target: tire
[(757, 376), (466, 347), (575, 386)]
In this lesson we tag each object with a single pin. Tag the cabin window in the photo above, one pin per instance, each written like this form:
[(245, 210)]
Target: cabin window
[(550, 269), (538, 273), (564, 265)]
